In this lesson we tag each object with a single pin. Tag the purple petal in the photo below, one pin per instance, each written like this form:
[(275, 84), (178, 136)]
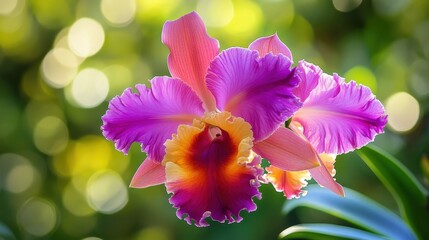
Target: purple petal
[(271, 44), (150, 116), (256, 89), (339, 117), (309, 75)]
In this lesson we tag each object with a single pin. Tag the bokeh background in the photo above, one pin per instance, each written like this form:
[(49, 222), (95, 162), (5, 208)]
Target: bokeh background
[(61, 61)]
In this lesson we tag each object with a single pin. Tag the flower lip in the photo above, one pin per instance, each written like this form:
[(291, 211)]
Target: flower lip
[(211, 170)]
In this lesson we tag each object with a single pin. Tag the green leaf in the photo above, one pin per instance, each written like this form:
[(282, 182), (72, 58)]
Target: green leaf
[(326, 231), (355, 208), (5, 233), (410, 195)]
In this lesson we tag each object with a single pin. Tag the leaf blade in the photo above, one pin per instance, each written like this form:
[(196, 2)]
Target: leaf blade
[(355, 208), (410, 195), (326, 231)]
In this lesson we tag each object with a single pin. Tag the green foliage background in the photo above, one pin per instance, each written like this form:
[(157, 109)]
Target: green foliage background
[(52, 153)]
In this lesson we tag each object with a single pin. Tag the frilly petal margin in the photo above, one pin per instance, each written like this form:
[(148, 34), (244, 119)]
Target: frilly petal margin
[(338, 117), (292, 182), (212, 175), (256, 89), (271, 44), (150, 116), (309, 75), (191, 51), (288, 182), (150, 173)]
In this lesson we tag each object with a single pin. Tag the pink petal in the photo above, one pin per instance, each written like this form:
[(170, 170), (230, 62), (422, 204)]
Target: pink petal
[(256, 89), (323, 177), (150, 116), (271, 44), (287, 151), (323, 174), (339, 117), (150, 173), (290, 183), (191, 51)]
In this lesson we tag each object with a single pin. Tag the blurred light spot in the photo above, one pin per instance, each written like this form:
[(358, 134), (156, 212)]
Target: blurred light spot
[(37, 216), (8, 6), (17, 174), (216, 13), (363, 76), (389, 7), (75, 202), (95, 238), (346, 5), (153, 233), (20, 178), (59, 67), (119, 78), (51, 135), (118, 12), (86, 37), (403, 110), (9, 117), (241, 25), (90, 88), (106, 192)]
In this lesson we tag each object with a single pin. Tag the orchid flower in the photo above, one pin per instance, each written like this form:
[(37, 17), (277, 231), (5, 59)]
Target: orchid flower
[(336, 117), (206, 128)]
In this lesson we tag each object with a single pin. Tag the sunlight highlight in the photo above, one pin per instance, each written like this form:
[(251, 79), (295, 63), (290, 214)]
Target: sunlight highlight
[(90, 88), (106, 192), (20, 178), (118, 12), (59, 67), (37, 216), (8, 6), (86, 37), (17, 174), (403, 110)]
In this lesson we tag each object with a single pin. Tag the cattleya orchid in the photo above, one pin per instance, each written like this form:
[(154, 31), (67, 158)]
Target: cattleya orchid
[(206, 128)]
